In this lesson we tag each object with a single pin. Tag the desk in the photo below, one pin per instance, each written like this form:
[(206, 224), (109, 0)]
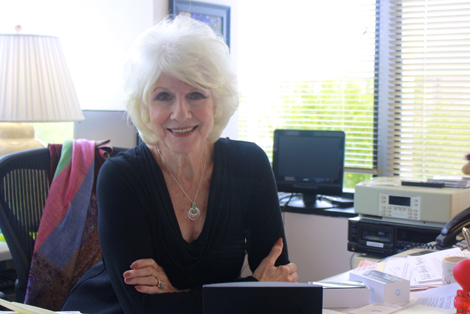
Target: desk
[(441, 297), (413, 298)]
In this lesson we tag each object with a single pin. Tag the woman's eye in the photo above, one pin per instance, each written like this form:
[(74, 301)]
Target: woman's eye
[(163, 96), (196, 96)]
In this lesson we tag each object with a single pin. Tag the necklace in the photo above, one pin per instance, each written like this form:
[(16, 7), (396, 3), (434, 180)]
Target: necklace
[(193, 212)]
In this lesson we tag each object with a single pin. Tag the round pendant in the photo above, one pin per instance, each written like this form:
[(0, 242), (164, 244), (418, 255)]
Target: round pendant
[(194, 214)]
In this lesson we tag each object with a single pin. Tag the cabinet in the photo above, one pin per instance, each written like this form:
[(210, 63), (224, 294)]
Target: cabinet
[(318, 244)]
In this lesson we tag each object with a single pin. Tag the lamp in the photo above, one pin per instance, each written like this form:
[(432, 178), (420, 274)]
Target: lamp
[(35, 85)]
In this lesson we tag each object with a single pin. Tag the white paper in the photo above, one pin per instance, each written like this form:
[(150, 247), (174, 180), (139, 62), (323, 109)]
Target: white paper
[(428, 267), (376, 308), (424, 309), (400, 267), (328, 311), (442, 297)]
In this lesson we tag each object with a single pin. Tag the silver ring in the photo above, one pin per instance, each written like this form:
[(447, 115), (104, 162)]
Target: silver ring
[(160, 284)]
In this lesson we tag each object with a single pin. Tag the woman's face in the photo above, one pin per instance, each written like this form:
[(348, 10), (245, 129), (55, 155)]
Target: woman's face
[(181, 115)]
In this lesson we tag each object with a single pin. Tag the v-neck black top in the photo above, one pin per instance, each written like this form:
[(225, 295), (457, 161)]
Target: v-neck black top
[(137, 220)]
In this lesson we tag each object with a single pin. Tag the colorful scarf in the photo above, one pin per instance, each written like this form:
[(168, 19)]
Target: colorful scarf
[(67, 242)]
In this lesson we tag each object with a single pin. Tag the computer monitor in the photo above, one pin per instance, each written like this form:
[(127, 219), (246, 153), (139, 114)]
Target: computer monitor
[(107, 125), (262, 298), (309, 162)]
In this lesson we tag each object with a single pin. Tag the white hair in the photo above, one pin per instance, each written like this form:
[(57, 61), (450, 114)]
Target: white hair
[(187, 50)]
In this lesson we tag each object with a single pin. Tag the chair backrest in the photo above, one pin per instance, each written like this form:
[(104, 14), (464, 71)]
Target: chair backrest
[(24, 186)]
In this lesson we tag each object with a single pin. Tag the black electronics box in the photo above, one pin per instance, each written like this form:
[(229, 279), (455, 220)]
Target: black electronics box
[(262, 298), (382, 238)]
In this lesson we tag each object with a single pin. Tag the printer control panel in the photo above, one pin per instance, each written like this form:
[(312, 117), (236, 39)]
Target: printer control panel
[(396, 206)]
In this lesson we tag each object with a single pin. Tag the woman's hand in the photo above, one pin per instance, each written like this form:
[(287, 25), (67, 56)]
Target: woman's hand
[(266, 271), (148, 277)]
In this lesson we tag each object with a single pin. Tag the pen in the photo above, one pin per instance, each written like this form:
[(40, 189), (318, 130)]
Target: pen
[(466, 234)]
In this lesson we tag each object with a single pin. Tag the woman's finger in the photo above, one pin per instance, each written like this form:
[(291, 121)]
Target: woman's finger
[(142, 272), (146, 281), (292, 267), (146, 276), (147, 262), (275, 253), (144, 267), (266, 268), (148, 290)]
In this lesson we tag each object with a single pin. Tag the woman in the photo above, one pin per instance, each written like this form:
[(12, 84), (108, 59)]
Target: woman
[(183, 209)]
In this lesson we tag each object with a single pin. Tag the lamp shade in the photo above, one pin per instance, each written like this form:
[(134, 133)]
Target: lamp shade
[(35, 84)]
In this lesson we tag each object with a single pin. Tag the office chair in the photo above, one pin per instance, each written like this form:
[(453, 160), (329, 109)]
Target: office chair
[(24, 186)]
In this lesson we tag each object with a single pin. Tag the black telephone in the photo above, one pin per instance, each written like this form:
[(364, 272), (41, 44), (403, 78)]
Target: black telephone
[(451, 234)]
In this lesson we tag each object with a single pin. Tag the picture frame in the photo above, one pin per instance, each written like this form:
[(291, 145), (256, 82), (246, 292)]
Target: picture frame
[(215, 15)]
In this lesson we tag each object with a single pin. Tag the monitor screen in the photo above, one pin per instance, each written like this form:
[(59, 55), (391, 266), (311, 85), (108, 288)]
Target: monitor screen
[(309, 162), (107, 124)]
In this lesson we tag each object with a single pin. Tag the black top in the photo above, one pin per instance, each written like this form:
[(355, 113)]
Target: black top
[(137, 220)]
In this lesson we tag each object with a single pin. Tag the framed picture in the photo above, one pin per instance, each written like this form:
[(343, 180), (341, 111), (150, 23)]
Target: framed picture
[(215, 15)]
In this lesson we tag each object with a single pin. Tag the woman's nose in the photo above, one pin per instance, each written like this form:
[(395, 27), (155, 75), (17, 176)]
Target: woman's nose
[(181, 110)]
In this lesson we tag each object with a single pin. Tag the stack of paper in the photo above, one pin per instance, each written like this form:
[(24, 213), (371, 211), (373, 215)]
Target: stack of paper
[(21, 308), (423, 271)]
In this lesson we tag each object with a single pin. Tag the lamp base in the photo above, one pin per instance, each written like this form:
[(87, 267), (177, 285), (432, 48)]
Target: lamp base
[(15, 137)]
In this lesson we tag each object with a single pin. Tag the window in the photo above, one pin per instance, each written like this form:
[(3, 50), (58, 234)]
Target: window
[(429, 100), (53, 132), (314, 68)]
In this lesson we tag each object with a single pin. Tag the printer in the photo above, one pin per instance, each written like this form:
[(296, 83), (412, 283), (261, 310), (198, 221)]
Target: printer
[(421, 205), (393, 217)]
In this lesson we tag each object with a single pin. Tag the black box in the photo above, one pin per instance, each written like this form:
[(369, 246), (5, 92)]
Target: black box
[(262, 298)]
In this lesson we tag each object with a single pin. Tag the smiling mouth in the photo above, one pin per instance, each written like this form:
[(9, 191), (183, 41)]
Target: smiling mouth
[(182, 131)]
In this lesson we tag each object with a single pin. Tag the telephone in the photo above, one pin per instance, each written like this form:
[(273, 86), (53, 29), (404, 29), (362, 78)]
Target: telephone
[(451, 234)]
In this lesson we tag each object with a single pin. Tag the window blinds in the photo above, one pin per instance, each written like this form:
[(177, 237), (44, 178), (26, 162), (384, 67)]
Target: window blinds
[(429, 101), (326, 80)]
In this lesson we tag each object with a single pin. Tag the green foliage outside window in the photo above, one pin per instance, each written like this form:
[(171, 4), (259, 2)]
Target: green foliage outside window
[(346, 104), (53, 132)]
